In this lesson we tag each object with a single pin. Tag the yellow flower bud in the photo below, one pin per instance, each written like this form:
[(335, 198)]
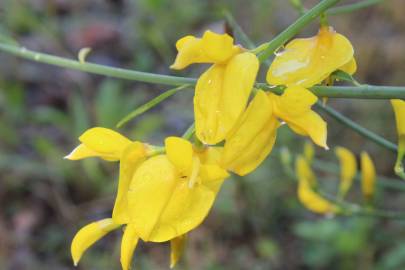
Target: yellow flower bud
[(308, 61), (367, 176), (252, 138), (399, 110), (348, 169), (309, 198)]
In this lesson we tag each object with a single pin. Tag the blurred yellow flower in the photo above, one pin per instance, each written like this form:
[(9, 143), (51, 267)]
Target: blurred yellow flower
[(309, 151), (399, 110), (348, 169), (306, 195), (171, 194), (253, 137), (222, 92), (294, 107), (309, 61), (368, 176)]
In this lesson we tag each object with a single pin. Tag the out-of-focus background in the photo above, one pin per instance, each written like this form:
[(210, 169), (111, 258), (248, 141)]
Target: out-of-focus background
[(257, 222)]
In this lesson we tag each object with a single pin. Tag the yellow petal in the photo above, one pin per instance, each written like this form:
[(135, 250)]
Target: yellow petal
[(131, 158), (80, 152), (150, 190), (367, 175), (180, 152), (162, 204), (253, 137), (296, 100), (128, 246), (297, 113), (350, 67), (88, 235), (177, 246), (218, 47), (221, 95), (101, 142), (310, 199), (211, 48), (308, 61), (348, 169)]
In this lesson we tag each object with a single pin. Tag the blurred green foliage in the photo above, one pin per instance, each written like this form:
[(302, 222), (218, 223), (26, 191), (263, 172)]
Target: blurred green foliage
[(257, 222)]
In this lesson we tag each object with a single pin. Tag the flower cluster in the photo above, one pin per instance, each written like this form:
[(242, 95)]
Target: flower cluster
[(165, 192)]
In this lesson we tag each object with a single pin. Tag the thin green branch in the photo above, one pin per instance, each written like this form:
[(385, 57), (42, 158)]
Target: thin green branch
[(95, 68), (295, 27), (382, 181), (363, 91), (150, 104), (240, 34), (350, 209), (356, 127), (189, 132), (352, 7)]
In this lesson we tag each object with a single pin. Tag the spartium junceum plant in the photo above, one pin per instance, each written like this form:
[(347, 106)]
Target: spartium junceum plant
[(164, 192)]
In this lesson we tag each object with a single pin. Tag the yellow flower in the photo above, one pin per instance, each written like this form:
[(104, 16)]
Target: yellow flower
[(253, 137), (399, 110), (309, 61), (367, 176), (222, 92), (307, 196), (171, 194), (348, 169), (294, 107), (112, 146)]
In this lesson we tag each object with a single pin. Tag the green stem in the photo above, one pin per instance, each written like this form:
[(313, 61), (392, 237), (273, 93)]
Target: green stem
[(95, 68), (356, 127), (150, 104), (294, 28), (352, 7), (189, 132), (242, 37), (363, 91)]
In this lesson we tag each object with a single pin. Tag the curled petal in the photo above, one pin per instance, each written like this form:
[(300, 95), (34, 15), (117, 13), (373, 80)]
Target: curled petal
[(253, 137), (350, 67), (348, 169), (131, 158), (177, 246), (88, 235), (221, 96), (211, 48), (180, 152), (128, 246), (297, 113), (308, 61), (367, 175), (82, 151)]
